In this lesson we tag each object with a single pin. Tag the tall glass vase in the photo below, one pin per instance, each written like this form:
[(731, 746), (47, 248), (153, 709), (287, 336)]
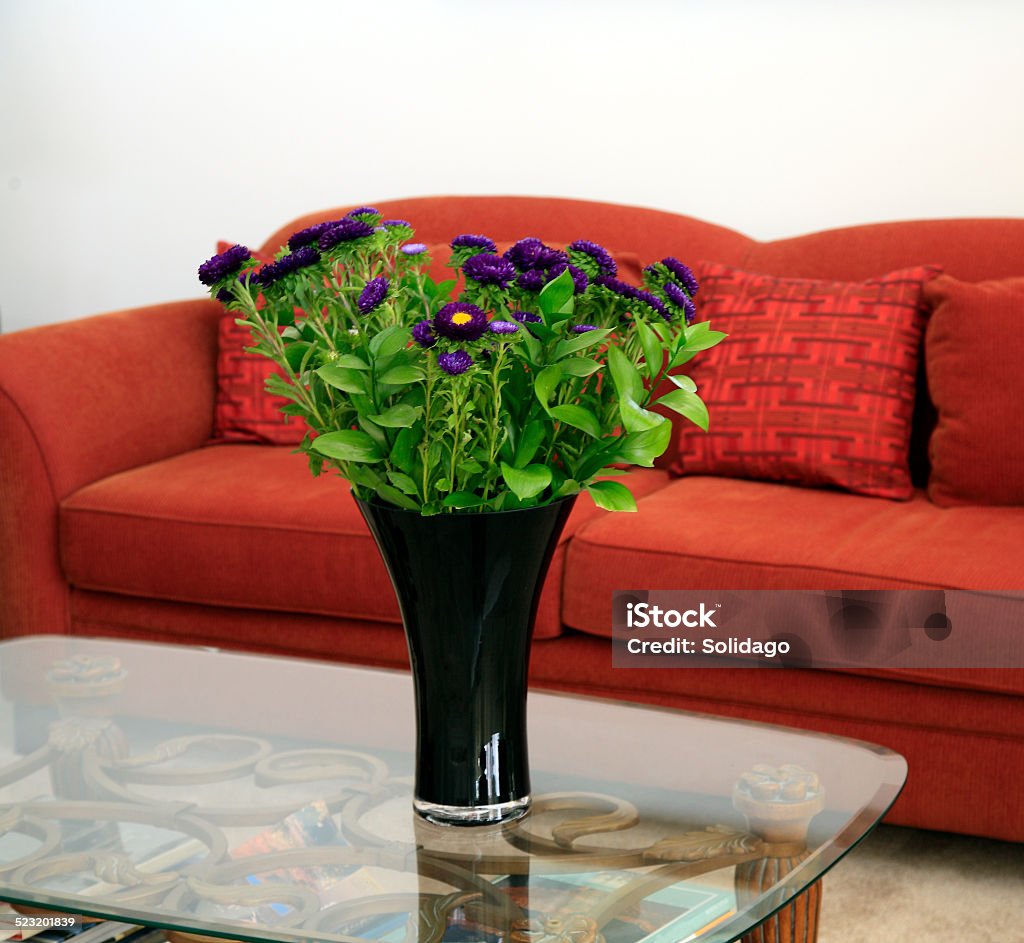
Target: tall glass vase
[(468, 586)]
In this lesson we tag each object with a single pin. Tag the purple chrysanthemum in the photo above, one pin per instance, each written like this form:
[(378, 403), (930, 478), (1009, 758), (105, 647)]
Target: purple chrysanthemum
[(526, 317), (224, 296), (473, 241), (344, 230), (309, 235), (373, 294), (531, 254), (652, 301), (579, 277), (423, 334), (222, 265), (361, 211), (503, 327), (286, 265), (460, 321), (616, 285), (413, 248), (583, 328), (683, 273), (454, 362), (675, 294), (602, 258), (689, 310), (489, 269), (532, 280), (395, 223)]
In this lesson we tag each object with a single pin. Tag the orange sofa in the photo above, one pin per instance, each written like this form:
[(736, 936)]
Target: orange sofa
[(119, 518)]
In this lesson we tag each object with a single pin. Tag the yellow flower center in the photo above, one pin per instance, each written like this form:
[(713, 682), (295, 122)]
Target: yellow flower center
[(461, 318)]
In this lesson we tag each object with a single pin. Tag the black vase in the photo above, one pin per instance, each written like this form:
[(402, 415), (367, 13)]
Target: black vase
[(468, 586)]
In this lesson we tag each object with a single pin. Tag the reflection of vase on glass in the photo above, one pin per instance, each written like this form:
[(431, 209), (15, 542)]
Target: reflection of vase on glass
[(468, 586)]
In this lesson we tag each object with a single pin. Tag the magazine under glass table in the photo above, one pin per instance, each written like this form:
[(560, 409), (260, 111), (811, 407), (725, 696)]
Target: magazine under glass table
[(265, 798)]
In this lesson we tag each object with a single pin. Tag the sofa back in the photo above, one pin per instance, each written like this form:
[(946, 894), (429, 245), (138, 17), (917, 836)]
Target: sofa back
[(968, 249)]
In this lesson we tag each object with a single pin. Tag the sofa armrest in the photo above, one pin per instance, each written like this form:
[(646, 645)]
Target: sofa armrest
[(81, 401)]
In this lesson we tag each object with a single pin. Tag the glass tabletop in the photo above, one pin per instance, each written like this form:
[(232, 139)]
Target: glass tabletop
[(268, 798)]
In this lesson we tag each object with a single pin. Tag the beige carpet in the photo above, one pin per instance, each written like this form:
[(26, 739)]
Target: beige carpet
[(906, 886)]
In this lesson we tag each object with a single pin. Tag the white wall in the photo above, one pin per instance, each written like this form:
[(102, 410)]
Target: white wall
[(133, 135)]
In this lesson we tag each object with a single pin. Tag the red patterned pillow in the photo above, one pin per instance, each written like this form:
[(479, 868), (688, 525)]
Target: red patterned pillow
[(815, 383)]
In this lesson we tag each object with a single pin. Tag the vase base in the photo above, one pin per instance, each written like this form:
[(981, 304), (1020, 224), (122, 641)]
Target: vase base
[(472, 814)]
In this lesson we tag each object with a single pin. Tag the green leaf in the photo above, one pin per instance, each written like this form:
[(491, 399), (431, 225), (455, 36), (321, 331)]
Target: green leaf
[(342, 378), (403, 452), (533, 435), (352, 362), (642, 448), (394, 496), (462, 499), (556, 297), (348, 445), (687, 404), (579, 342), (472, 467), (579, 366), (625, 376), (683, 382), (398, 417), (295, 354), (578, 418), (567, 487), (612, 496), (654, 354), (403, 482), (390, 341), (546, 382), (704, 340), (399, 376), (526, 482), (635, 418)]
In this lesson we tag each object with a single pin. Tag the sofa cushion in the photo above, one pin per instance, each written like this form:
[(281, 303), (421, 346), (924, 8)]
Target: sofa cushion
[(974, 349), (248, 526), (815, 384), (719, 533)]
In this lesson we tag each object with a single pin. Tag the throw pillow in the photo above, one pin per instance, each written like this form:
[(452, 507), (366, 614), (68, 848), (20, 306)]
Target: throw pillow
[(974, 349), (815, 383)]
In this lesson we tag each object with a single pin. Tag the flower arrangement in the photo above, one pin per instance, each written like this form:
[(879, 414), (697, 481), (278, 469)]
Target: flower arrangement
[(518, 382)]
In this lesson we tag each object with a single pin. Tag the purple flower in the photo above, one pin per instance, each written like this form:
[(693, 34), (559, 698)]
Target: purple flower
[(395, 223), (683, 273), (471, 241), (344, 230), (373, 294), (526, 317), (689, 311), (616, 285), (531, 254), (286, 265), (579, 277), (454, 362), (583, 328), (413, 248), (423, 333), (503, 327), (363, 211), (460, 321), (309, 235), (675, 294), (224, 296), (223, 265), (652, 301), (531, 281), (489, 269), (606, 265)]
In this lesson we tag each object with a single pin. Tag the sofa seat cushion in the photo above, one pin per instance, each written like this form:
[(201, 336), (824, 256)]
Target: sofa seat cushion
[(248, 526), (727, 534)]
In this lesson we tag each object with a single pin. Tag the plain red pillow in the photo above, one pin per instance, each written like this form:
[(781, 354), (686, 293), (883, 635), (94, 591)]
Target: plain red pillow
[(815, 384), (974, 357)]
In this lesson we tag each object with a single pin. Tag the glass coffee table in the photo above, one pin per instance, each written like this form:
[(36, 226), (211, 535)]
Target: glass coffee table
[(263, 798)]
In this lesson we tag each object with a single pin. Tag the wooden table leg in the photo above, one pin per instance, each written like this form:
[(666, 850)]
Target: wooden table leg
[(779, 803)]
